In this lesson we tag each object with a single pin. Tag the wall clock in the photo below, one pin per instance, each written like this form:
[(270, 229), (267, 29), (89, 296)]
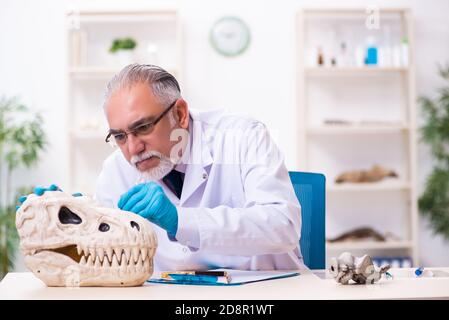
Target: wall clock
[(230, 36)]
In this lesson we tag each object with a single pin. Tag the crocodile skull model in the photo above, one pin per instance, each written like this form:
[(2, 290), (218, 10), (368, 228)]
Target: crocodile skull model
[(71, 241)]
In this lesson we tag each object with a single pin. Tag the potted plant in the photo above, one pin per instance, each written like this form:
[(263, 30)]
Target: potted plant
[(434, 202), (123, 50), (21, 140)]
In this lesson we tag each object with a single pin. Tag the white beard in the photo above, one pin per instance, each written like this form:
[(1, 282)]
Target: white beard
[(161, 170)]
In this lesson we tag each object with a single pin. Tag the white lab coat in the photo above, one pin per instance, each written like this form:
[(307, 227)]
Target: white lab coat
[(232, 213)]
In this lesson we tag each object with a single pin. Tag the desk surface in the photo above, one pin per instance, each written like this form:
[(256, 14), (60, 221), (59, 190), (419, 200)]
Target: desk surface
[(309, 285)]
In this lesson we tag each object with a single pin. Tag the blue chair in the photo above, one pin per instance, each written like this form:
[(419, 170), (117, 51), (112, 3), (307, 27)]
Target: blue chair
[(310, 191)]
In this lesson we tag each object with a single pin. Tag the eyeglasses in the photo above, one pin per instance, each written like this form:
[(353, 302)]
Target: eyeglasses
[(120, 138)]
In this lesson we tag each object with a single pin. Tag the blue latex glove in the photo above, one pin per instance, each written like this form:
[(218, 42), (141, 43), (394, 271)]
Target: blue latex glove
[(38, 191), (149, 201)]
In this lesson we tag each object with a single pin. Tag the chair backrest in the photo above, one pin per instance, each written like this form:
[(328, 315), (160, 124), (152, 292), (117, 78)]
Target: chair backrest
[(310, 189)]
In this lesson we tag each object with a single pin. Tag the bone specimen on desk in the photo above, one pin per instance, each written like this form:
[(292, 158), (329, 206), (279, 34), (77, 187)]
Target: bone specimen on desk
[(359, 234), (337, 122), (360, 270), (376, 173), (72, 241)]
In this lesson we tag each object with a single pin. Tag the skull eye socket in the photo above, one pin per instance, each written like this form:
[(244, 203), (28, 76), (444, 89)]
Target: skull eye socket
[(66, 216), (135, 225), (103, 227)]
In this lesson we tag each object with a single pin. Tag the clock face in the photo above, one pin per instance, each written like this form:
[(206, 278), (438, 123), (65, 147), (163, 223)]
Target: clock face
[(230, 36)]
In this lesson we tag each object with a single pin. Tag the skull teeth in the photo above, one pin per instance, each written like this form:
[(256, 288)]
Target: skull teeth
[(133, 258), (115, 262), (143, 254), (109, 253), (127, 253), (92, 252), (100, 254), (118, 254), (135, 253), (90, 260)]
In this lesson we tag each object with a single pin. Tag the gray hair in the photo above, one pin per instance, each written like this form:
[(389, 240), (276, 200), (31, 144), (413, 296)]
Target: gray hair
[(164, 85)]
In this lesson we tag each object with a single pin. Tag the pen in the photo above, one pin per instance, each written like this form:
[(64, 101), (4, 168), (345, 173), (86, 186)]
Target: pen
[(211, 273), (195, 273), (193, 278)]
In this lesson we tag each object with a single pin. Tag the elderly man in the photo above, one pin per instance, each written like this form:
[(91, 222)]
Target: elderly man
[(213, 184)]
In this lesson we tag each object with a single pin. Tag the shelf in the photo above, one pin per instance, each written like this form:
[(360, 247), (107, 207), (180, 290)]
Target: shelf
[(333, 71), (351, 10), (99, 72), (356, 105), (126, 17), (369, 187), (356, 129), (365, 245)]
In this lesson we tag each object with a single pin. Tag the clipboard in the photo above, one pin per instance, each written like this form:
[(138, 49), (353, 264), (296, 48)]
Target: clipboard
[(234, 277)]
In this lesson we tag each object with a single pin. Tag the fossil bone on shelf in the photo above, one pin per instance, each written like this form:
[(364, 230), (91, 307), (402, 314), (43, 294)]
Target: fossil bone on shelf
[(72, 241)]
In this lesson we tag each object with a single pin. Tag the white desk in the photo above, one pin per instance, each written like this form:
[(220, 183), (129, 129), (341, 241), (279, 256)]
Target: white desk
[(309, 285)]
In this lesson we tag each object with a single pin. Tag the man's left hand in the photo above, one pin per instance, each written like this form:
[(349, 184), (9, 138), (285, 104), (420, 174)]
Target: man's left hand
[(149, 201)]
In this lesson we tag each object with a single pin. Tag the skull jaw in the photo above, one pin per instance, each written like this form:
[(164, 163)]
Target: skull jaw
[(58, 270)]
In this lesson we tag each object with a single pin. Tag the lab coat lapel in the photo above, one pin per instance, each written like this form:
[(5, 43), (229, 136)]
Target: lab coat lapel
[(198, 161)]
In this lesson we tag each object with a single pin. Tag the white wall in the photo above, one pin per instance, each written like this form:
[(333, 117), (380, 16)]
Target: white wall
[(260, 83)]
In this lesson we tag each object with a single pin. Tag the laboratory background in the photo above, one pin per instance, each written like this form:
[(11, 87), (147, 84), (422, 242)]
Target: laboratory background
[(355, 90)]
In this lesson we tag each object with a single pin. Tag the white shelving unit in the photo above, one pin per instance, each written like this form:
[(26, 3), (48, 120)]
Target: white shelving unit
[(90, 67), (370, 245), (353, 116)]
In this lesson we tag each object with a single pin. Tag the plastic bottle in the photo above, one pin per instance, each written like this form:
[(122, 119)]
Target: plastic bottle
[(386, 51), (343, 59), (320, 58), (371, 52), (387, 56), (404, 52), (360, 56), (397, 56)]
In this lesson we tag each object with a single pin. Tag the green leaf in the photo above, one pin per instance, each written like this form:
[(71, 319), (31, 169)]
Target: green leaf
[(21, 142), (122, 44), (434, 202), (8, 239)]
